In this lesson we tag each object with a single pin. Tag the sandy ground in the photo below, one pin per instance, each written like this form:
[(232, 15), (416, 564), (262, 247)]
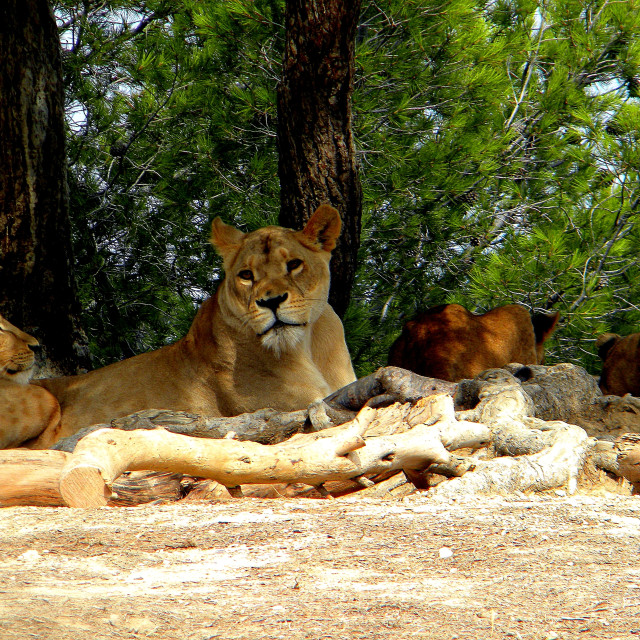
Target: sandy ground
[(545, 567)]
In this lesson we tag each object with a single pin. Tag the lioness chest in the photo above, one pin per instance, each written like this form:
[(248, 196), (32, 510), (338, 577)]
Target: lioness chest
[(253, 380)]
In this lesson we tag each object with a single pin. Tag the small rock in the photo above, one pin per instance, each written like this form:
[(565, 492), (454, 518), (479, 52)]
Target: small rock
[(142, 626), (30, 556), (445, 552)]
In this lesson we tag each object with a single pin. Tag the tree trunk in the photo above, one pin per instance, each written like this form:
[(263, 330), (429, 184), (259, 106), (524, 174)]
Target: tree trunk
[(317, 162), (38, 293)]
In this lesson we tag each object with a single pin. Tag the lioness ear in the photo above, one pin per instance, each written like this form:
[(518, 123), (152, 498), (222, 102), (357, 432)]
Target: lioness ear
[(323, 227), (605, 343), (5, 325), (224, 237)]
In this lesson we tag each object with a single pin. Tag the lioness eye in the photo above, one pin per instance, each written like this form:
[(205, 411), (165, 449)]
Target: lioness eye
[(292, 265), (245, 274)]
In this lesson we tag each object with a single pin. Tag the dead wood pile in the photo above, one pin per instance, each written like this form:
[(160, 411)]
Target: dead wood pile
[(517, 429)]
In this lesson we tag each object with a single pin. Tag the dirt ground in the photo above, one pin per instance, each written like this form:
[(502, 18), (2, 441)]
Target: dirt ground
[(529, 567)]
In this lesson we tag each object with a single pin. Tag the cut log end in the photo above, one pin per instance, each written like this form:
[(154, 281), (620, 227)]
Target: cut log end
[(84, 486)]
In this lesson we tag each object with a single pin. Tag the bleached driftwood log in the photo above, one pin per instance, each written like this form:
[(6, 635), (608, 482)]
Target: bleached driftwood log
[(332, 454), (531, 454), (521, 452), (558, 464), (393, 419), (32, 478), (547, 454)]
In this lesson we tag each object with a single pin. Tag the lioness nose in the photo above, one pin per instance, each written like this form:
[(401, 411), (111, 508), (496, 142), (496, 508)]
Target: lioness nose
[(272, 303)]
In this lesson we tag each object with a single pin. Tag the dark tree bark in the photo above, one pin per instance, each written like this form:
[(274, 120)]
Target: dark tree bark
[(317, 162), (37, 291)]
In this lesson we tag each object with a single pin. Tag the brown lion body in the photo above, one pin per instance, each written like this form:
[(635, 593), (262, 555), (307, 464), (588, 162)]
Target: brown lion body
[(621, 364), (450, 343), (266, 338), (25, 410)]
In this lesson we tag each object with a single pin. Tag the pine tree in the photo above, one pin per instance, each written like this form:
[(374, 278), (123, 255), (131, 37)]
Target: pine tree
[(171, 122), (496, 144), (501, 167), (316, 154)]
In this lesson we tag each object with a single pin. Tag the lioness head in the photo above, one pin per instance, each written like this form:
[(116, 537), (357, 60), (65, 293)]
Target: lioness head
[(16, 357), (276, 279)]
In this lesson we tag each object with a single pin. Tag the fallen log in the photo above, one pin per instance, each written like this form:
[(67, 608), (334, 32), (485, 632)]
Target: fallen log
[(31, 477), (266, 426), (134, 488), (386, 385), (518, 452), (334, 454)]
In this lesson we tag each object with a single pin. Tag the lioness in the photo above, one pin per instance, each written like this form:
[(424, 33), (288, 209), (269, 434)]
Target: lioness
[(25, 411), (450, 343), (266, 338), (620, 363)]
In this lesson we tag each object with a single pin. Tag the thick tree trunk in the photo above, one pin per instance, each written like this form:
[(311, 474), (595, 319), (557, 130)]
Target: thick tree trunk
[(317, 161), (38, 293)]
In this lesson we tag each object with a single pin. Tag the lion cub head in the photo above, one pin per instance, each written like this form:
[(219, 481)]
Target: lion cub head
[(16, 357), (277, 280)]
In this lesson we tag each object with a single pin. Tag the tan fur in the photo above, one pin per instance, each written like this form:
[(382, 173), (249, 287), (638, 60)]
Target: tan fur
[(25, 410), (450, 343), (621, 364), (234, 358)]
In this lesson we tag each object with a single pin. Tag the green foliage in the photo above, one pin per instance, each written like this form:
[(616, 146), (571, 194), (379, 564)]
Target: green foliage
[(171, 113), (497, 142), (500, 165)]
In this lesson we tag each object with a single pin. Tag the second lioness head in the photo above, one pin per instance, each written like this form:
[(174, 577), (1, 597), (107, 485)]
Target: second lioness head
[(16, 356)]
